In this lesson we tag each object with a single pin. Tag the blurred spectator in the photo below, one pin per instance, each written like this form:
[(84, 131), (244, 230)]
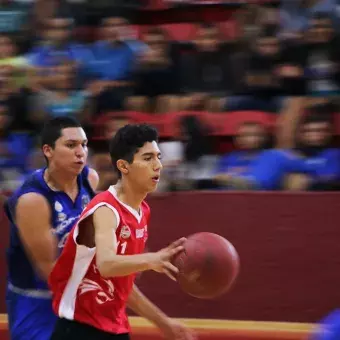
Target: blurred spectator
[(291, 69), (249, 20), (205, 71), (102, 163), (312, 66), (113, 123), (45, 10), (35, 160), (270, 14), (14, 16), (101, 160), (322, 57), (314, 145), (262, 79), (157, 78), (273, 169), (63, 98), (9, 56), (269, 171), (296, 14), (9, 52), (249, 142), (110, 69), (57, 45), (14, 100), (188, 162), (14, 150)]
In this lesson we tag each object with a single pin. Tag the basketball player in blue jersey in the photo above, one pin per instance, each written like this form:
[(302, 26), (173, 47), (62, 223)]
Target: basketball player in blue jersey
[(41, 213)]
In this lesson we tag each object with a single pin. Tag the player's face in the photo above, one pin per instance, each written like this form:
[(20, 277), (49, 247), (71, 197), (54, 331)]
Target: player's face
[(145, 170), (70, 151)]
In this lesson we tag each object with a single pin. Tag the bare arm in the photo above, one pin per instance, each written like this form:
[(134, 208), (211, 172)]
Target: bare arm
[(142, 306), (110, 264), (33, 220), (288, 121), (172, 329)]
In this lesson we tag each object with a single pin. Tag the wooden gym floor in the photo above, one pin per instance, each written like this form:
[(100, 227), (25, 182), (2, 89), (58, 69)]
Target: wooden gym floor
[(213, 330)]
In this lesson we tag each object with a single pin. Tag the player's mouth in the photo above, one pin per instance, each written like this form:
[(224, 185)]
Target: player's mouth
[(80, 162), (156, 179)]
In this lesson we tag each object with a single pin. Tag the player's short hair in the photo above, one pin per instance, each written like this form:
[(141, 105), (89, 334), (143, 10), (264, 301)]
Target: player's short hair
[(128, 140), (53, 127)]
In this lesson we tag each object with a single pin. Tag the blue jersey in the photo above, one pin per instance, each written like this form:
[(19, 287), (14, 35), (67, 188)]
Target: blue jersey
[(24, 284)]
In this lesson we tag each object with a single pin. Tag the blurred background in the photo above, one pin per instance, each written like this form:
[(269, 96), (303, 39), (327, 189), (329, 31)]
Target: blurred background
[(246, 97), (234, 87)]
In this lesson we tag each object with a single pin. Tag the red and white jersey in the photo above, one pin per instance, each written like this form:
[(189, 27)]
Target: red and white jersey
[(79, 291)]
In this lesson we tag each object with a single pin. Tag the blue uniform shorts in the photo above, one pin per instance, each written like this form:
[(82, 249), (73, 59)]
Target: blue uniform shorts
[(29, 318)]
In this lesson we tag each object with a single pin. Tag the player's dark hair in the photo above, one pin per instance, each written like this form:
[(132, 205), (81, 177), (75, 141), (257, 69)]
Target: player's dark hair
[(52, 129), (128, 140)]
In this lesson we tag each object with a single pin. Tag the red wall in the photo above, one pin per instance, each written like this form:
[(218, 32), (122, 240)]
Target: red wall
[(288, 245)]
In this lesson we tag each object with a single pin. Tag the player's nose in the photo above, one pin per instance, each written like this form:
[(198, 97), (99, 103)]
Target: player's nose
[(158, 166), (80, 152)]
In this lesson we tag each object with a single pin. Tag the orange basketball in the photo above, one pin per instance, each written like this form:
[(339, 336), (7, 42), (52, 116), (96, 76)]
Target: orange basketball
[(208, 266)]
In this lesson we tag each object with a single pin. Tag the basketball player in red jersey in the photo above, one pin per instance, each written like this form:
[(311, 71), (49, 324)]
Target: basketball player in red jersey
[(93, 280)]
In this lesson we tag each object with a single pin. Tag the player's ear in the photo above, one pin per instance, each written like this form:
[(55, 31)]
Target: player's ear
[(47, 150), (122, 166)]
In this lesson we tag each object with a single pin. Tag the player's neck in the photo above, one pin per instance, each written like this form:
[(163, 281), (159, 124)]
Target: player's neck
[(129, 195), (60, 181)]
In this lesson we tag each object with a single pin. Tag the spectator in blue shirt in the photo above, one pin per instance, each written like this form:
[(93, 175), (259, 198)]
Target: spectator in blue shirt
[(295, 15), (249, 143), (112, 64), (63, 98), (253, 167), (57, 45), (54, 50), (271, 169), (312, 165), (314, 144)]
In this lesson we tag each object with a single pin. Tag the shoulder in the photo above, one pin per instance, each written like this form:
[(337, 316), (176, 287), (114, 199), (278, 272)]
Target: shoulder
[(27, 204), (32, 200), (104, 198), (103, 204), (31, 184), (93, 178), (28, 196)]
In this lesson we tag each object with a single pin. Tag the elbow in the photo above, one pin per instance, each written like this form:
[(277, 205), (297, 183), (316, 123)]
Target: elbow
[(108, 268), (105, 269)]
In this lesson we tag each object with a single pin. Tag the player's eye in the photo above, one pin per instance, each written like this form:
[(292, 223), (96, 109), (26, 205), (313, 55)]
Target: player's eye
[(70, 145), (147, 159)]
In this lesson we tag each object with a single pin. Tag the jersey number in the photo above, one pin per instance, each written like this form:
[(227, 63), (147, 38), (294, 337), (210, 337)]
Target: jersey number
[(121, 247)]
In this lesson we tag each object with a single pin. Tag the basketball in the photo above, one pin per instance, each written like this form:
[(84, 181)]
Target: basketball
[(208, 266)]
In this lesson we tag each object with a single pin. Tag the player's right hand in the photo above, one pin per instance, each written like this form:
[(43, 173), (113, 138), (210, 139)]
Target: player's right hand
[(161, 260)]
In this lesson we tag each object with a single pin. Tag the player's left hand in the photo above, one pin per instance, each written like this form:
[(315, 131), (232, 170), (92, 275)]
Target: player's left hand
[(175, 330)]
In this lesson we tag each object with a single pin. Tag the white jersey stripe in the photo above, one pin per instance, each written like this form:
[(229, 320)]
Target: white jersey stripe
[(82, 261)]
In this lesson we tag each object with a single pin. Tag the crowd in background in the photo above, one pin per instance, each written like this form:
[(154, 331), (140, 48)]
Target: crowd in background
[(283, 59)]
